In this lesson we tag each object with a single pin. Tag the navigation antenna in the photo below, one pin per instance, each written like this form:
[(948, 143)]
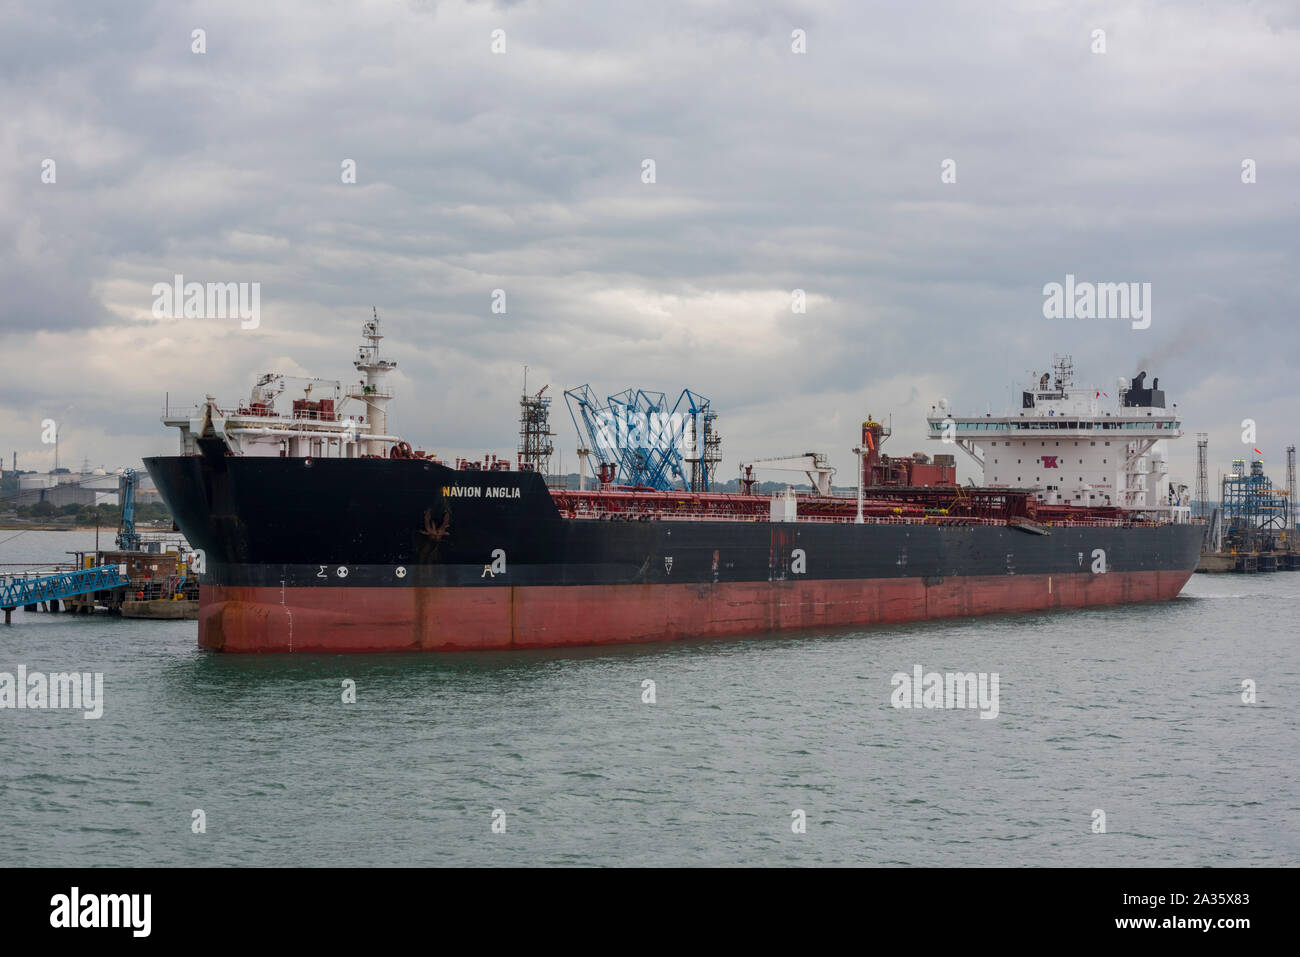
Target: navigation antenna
[(1063, 367)]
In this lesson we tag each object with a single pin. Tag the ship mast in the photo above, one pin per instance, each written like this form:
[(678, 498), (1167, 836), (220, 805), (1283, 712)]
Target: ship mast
[(535, 445), (371, 391), (1063, 367)]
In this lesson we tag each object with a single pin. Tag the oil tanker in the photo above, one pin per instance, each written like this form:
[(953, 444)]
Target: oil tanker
[(319, 532)]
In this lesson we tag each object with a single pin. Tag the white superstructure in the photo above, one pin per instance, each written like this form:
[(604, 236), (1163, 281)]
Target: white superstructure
[(1076, 446), (319, 424)]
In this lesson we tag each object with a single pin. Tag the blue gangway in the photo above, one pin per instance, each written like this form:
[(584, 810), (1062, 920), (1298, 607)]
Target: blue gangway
[(29, 591)]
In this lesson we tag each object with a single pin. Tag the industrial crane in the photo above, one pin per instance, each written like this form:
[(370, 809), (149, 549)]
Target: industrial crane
[(273, 384), (815, 465), (128, 539)]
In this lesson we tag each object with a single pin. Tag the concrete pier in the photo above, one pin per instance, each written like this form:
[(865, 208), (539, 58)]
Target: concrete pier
[(1248, 563)]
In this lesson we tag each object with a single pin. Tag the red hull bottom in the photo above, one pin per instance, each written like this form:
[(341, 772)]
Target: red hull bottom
[(357, 619)]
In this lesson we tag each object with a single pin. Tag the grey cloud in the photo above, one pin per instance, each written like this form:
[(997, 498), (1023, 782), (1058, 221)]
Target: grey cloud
[(775, 172)]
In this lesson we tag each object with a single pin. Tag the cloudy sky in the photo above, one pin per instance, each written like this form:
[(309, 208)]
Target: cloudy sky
[(522, 170)]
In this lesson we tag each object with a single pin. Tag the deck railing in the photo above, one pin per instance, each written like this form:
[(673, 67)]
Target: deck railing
[(603, 514)]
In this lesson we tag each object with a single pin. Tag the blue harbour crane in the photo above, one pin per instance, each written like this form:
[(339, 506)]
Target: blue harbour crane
[(635, 437), (128, 539)]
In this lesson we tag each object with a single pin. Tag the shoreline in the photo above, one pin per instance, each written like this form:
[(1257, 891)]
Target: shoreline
[(103, 529), (53, 528)]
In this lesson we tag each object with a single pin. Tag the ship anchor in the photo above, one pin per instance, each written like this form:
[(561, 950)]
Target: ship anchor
[(436, 533)]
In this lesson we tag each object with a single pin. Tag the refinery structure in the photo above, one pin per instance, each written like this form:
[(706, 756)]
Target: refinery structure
[(1253, 526), (85, 486)]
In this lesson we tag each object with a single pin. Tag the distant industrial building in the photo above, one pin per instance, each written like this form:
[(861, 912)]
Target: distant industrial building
[(94, 487)]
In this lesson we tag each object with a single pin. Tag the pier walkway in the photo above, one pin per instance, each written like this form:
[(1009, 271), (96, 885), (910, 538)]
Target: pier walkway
[(51, 588)]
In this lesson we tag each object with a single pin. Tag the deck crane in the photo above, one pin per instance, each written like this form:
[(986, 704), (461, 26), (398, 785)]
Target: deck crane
[(815, 465)]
